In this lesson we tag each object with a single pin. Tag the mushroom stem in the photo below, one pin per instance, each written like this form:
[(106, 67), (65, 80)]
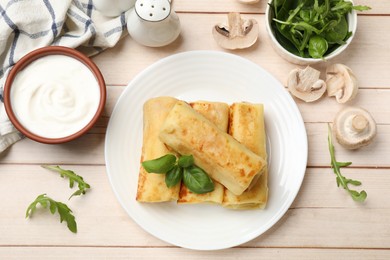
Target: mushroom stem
[(306, 84), (354, 127), (235, 24), (359, 123), (337, 84), (341, 83)]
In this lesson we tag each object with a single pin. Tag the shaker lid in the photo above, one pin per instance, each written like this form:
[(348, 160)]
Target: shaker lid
[(153, 10)]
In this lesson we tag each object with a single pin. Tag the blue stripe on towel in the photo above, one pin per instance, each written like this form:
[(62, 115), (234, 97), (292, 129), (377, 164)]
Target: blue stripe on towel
[(12, 2), (53, 16), (13, 47), (7, 19), (117, 29), (89, 8), (91, 28), (16, 35), (123, 20), (112, 31), (79, 5)]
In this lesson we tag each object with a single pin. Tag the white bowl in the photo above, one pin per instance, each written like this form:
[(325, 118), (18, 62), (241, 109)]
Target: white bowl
[(285, 54)]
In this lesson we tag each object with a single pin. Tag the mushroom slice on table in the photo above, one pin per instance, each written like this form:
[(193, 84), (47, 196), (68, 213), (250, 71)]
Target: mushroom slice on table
[(306, 84), (237, 34), (354, 127), (341, 83)]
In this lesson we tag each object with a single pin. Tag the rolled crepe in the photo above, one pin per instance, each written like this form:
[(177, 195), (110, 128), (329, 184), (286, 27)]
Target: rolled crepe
[(217, 113), (151, 186), (220, 155), (247, 126)]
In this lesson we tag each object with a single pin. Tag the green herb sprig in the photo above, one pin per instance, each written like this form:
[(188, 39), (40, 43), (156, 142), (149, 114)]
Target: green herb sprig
[(54, 206), (340, 179), (182, 168), (312, 28), (73, 177)]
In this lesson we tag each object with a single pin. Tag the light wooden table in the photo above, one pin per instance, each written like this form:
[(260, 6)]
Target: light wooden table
[(322, 223)]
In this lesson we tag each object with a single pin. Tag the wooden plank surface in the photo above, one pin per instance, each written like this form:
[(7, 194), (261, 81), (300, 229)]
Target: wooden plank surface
[(123, 63), (179, 253), (319, 203), (89, 149)]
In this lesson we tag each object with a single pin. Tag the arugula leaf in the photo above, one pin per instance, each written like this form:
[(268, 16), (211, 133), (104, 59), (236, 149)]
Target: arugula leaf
[(63, 210), (361, 7), (340, 179), (73, 177), (294, 22)]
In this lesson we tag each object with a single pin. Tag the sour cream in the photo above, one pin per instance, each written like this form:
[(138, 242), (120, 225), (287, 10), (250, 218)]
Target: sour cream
[(55, 96)]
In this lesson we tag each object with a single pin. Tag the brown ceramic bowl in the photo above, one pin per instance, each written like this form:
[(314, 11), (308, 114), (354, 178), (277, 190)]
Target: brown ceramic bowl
[(35, 55)]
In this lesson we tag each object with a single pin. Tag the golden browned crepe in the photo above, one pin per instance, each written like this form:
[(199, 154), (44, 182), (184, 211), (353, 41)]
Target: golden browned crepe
[(220, 155), (247, 126), (218, 113), (151, 186)]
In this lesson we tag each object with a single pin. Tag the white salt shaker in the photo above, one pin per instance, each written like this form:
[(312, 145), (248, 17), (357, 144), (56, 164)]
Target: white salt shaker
[(113, 8), (153, 23)]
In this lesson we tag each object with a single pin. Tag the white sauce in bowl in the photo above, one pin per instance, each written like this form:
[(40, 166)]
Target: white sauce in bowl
[(55, 96)]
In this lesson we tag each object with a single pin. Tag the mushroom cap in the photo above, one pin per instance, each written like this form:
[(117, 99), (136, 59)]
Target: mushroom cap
[(306, 84), (341, 83), (354, 127), (237, 34)]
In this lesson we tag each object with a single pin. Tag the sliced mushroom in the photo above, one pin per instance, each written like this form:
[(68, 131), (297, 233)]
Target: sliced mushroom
[(248, 1), (237, 34), (306, 84), (354, 127), (341, 83)]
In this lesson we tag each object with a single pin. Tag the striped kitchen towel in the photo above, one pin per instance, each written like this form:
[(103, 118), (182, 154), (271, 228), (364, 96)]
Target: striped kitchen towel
[(26, 25)]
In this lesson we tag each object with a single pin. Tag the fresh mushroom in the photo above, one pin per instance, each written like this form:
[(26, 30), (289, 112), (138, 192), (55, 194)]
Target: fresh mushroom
[(306, 84), (341, 83), (248, 1), (237, 34), (354, 127)]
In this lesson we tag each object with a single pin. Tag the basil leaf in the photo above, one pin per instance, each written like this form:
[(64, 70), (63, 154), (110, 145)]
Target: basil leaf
[(197, 180), (317, 46), (160, 165), (173, 176), (186, 161)]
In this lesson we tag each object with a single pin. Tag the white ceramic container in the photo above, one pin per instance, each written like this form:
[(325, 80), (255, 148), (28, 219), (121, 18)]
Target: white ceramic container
[(113, 8), (285, 54), (153, 23)]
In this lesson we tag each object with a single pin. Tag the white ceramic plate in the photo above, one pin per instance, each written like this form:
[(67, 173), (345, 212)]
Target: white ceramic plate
[(214, 76)]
